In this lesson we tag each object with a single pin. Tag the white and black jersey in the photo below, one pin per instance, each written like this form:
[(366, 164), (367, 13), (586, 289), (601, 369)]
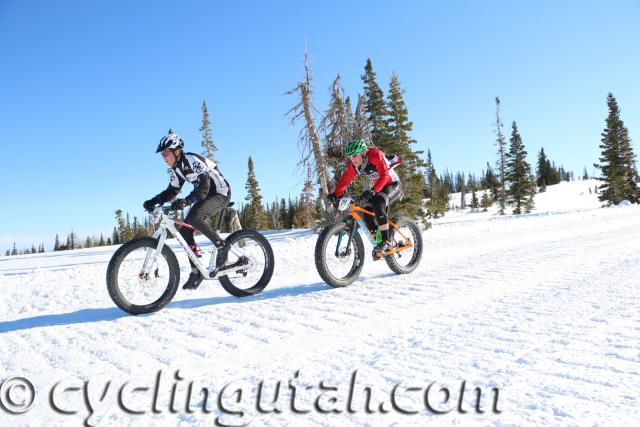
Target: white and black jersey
[(203, 173)]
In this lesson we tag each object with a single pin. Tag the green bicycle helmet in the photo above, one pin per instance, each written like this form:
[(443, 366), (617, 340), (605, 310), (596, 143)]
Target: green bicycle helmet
[(354, 147)]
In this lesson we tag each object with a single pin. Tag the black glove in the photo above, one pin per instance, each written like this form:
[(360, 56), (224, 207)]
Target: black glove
[(332, 198), (179, 204), (367, 194), (150, 204)]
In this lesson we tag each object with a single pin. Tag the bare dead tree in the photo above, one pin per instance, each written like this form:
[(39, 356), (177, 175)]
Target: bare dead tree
[(309, 141)]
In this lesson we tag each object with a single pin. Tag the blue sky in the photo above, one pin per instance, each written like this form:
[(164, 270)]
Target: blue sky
[(89, 87)]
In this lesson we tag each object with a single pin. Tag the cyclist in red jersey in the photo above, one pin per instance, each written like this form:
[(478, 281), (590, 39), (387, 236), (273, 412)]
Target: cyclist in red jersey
[(384, 185)]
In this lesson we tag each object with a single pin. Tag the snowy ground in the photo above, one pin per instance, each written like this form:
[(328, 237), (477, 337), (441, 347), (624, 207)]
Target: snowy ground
[(544, 307)]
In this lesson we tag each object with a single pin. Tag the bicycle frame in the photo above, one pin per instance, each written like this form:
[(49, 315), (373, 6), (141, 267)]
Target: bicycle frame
[(354, 212), (165, 224)]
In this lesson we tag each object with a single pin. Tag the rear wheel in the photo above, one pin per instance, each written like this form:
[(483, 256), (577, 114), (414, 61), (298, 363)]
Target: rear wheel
[(338, 262), (407, 260), (246, 263), (139, 279)]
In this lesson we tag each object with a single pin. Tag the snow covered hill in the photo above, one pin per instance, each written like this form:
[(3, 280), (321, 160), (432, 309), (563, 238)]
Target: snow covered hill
[(540, 312)]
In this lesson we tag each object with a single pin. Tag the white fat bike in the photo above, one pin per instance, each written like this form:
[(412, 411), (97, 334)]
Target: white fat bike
[(143, 275)]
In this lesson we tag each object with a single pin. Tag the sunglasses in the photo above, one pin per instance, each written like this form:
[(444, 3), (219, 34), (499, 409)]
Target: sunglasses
[(165, 153)]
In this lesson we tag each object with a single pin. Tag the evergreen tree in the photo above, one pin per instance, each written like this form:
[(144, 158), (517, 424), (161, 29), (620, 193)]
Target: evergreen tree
[(617, 161), (349, 118), (306, 211), (474, 199), (375, 107), (291, 213), (71, 241), (33, 248), (361, 127), (335, 127), (543, 171), (254, 216), (501, 195), (109, 242), (122, 227), (14, 251), (115, 237), (88, 243), (41, 248), (485, 201), (400, 143), (585, 174), (208, 147), (56, 245), (284, 223), (101, 242), (521, 186), (7, 253), (437, 192)]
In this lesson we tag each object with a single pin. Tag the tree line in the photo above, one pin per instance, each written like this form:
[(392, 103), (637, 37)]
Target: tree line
[(383, 121)]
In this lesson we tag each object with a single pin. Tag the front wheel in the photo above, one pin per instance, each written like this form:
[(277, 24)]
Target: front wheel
[(245, 263), (139, 279), (407, 260), (338, 262)]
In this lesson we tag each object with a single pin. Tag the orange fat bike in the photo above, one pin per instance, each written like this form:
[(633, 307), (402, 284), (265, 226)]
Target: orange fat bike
[(339, 252)]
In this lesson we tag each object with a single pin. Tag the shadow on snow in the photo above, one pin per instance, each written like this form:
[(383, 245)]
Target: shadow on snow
[(89, 315)]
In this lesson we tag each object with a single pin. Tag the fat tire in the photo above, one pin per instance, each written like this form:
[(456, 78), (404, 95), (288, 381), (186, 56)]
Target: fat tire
[(266, 274), (114, 266), (321, 262), (417, 256)]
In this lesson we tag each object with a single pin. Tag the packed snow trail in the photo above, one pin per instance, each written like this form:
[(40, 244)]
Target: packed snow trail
[(543, 307)]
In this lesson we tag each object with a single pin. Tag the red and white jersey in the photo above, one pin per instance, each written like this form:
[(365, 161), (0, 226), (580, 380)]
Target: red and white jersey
[(377, 167)]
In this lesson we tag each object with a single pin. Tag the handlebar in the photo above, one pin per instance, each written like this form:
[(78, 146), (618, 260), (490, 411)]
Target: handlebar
[(345, 201)]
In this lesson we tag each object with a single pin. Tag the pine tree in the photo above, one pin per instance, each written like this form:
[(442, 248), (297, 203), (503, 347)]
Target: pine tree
[(208, 147), (521, 186), (501, 195), (491, 182), (306, 211), (7, 253), (361, 127), (485, 201), (254, 211), (109, 242), (585, 174), (437, 192), (400, 143), (543, 171), (115, 237), (349, 118), (41, 248), (88, 243), (33, 248), (617, 161), (101, 242), (291, 213), (14, 251), (335, 128), (122, 227), (72, 241), (375, 107), (474, 199), (56, 245), (309, 141)]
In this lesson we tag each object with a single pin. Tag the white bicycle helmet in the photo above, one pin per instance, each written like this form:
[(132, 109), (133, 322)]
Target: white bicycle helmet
[(170, 142)]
